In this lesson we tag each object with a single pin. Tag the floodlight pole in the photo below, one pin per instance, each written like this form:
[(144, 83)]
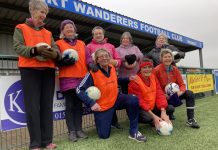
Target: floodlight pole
[(201, 58)]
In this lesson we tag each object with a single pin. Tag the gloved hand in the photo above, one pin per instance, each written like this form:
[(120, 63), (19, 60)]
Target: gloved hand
[(38, 50), (93, 67), (49, 53), (130, 58), (66, 61), (179, 55)]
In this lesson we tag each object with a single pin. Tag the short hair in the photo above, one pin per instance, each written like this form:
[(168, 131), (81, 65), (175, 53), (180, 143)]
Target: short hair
[(37, 5), (97, 27), (100, 50), (128, 35), (165, 51), (162, 35)]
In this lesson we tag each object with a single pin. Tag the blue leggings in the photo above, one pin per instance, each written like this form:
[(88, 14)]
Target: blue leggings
[(103, 119)]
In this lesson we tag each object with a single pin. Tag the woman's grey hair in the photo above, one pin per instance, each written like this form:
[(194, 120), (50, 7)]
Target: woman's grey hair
[(97, 27), (164, 36), (37, 5), (128, 35), (165, 51), (98, 51)]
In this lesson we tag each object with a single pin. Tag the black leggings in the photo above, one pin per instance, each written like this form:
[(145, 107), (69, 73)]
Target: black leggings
[(73, 112), (38, 89)]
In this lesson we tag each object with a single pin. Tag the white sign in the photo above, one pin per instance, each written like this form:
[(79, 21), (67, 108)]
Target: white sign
[(12, 110)]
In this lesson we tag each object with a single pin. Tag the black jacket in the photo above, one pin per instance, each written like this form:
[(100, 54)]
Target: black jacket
[(154, 54)]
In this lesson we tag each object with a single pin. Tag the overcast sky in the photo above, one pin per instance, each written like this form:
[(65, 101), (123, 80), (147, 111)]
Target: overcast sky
[(197, 19)]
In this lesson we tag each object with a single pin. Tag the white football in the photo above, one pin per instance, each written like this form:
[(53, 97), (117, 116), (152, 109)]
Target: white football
[(93, 56), (40, 58), (165, 128), (93, 92), (171, 88), (43, 44), (71, 53)]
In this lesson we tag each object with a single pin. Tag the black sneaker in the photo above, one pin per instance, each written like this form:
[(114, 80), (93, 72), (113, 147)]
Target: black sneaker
[(192, 123), (138, 137), (117, 125)]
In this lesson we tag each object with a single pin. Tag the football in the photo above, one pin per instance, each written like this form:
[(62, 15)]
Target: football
[(70, 53), (93, 93), (165, 129), (40, 58), (171, 88), (93, 56)]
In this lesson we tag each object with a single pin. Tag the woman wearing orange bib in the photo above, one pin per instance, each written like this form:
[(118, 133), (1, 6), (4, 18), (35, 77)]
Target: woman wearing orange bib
[(152, 101), (37, 69), (105, 79), (71, 73)]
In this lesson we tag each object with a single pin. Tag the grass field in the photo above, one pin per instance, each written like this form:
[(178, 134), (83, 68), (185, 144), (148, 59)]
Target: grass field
[(183, 137)]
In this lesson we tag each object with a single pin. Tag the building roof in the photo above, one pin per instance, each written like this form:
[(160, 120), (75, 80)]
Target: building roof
[(87, 16)]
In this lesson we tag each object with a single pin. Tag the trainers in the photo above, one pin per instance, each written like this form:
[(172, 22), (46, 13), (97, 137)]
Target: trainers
[(51, 146), (81, 134), (138, 137), (117, 125), (172, 117), (192, 123), (72, 136)]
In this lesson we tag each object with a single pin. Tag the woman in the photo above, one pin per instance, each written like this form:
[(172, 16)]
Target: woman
[(152, 101), (37, 75), (130, 56), (99, 41), (128, 52), (71, 72), (105, 79), (167, 73), (162, 42)]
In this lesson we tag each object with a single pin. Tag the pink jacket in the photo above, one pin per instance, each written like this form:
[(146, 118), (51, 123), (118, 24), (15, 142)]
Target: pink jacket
[(127, 50), (93, 46)]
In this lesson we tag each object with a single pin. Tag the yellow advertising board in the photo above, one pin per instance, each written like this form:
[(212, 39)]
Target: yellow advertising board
[(200, 82)]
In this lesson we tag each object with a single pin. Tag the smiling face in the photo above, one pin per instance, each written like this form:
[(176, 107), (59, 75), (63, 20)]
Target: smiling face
[(98, 35), (146, 70), (161, 40), (167, 59), (125, 41), (39, 15), (69, 31), (102, 58)]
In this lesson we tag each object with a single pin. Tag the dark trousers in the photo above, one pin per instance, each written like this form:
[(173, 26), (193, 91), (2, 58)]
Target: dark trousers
[(145, 117), (189, 97), (73, 112), (190, 103), (103, 119), (38, 89), (124, 90)]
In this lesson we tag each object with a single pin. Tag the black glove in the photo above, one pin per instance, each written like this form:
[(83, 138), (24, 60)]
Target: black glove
[(49, 54), (66, 61), (93, 67), (130, 59), (179, 55)]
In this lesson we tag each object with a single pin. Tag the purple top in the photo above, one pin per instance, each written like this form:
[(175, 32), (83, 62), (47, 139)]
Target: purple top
[(128, 50), (72, 83)]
